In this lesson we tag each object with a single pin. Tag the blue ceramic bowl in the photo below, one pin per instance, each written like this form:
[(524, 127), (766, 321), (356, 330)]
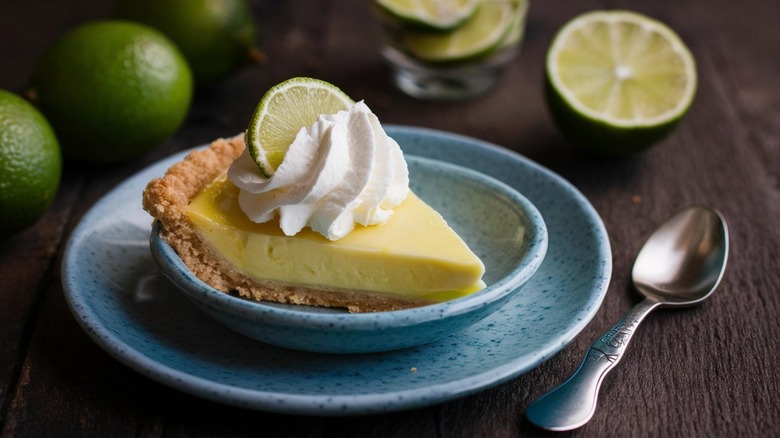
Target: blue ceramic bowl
[(499, 224)]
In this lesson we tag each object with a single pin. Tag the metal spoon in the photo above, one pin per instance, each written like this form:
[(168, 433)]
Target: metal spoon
[(680, 265)]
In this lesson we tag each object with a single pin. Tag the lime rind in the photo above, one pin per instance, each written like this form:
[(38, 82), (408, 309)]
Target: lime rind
[(283, 111), (431, 15), (644, 23)]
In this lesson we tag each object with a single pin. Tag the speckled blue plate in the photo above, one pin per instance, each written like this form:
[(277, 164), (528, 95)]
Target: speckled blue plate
[(117, 294)]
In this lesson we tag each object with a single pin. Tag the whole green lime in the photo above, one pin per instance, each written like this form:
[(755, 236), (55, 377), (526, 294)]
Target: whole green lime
[(112, 90), (30, 164), (216, 36)]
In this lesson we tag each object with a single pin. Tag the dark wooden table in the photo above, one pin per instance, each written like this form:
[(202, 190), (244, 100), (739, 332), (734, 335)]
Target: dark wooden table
[(708, 371)]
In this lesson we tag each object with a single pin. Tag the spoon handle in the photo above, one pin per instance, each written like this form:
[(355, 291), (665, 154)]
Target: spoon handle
[(573, 403)]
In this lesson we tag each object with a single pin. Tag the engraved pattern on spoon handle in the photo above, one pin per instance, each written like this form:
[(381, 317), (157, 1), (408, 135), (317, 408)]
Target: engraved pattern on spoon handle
[(614, 342), (573, 403)]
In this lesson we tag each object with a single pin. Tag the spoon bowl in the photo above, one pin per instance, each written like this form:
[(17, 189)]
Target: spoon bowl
[(683, 261), (679, 265)]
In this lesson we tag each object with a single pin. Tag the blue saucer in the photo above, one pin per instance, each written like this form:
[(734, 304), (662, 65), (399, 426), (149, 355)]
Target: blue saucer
[(118, 295)]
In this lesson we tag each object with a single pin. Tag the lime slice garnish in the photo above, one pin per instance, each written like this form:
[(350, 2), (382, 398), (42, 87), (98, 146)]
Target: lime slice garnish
[(479, 35), (432, 14), (283, 111), (617, 77)]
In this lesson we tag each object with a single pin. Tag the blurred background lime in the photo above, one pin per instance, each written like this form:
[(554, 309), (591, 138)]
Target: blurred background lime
[(30, 164), (216, 36), (431, 15), (479, 36), (112, 90)]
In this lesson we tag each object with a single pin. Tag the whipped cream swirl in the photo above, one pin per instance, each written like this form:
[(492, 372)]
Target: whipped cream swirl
[(341, 171)]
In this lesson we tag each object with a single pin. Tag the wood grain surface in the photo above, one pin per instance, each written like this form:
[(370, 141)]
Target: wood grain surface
[(707, 371)]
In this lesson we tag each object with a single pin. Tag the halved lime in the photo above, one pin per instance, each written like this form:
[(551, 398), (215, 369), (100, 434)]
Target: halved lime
[(478, 36), (618, 81), (432, 14), (283, 111)]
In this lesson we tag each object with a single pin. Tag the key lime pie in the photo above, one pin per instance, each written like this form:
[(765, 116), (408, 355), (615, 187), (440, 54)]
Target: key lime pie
[(311, 206)]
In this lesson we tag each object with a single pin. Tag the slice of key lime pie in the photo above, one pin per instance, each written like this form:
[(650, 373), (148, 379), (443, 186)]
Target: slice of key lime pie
[(312, 206)]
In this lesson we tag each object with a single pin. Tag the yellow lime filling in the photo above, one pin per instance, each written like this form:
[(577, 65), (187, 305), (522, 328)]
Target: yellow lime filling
[(415, 254)]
